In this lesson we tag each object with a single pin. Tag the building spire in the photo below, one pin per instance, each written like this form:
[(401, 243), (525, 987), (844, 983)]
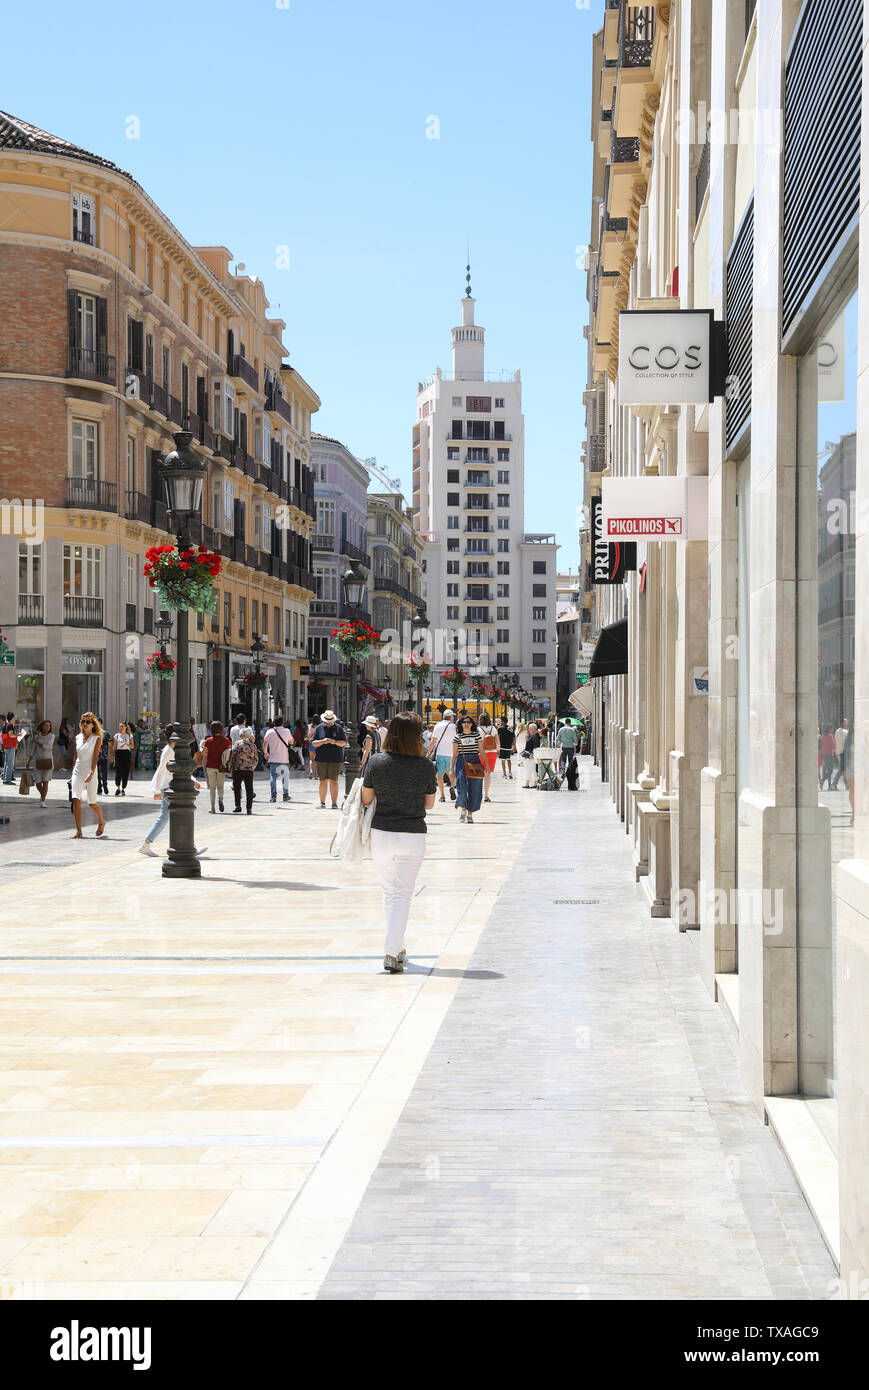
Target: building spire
[(468, 279)]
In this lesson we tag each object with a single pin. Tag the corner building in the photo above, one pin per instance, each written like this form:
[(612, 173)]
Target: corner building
[(114, 333), (721, 182), (486, 579)]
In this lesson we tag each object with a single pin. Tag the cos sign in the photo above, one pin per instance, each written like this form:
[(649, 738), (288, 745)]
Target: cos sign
[(670, 357)]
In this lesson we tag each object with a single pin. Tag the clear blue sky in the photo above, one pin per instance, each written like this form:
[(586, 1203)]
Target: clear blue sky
[(306, 127)]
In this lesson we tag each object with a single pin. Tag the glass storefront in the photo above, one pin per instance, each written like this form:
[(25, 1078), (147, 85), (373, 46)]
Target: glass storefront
[(825, 633), (81, 684), (29, 694)]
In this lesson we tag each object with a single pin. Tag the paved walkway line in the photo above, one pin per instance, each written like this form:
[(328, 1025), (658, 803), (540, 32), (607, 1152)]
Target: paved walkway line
[(579, 1128)]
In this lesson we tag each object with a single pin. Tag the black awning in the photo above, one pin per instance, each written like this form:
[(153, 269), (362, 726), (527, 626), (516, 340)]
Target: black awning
[(610, 656)]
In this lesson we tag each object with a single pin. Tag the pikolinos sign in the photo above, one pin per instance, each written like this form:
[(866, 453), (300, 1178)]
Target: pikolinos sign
[(667, 357)]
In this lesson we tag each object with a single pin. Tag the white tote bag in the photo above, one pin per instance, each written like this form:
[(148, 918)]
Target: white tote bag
[(351, 840)]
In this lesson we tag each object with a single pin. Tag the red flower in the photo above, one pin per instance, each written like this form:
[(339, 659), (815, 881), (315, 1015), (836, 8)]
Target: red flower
[(151, 582)]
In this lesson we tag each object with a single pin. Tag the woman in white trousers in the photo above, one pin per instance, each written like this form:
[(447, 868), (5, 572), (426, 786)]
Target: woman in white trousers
[(404, 782)]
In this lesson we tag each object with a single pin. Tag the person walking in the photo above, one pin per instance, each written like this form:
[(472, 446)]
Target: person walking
[(300, 739), (404, 782), (158, 788), (122, 746), (373, 740), (103, 763), (276, 751), (43, 744), (532, 742), (215, 751), (329, 741), (440, 751), (507, 747), (568, 737), (309, 743), (9, 740), (239, 726), (490, 744), (468, 752), (63, 744), (88, 744), (840, 738), (243, 762), (828, 756)]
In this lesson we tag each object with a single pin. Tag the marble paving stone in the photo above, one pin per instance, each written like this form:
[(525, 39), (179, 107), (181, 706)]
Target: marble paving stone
[(579, 1122)]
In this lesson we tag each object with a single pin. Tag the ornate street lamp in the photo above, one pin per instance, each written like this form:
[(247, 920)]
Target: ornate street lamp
[(257, 647), (353, 586), (182, 473), (411, 698), (163, 632), (427, 703), (420, 624)]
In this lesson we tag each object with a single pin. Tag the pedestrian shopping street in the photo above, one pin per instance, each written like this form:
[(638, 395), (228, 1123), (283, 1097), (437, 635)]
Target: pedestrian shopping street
[(211, 1089)]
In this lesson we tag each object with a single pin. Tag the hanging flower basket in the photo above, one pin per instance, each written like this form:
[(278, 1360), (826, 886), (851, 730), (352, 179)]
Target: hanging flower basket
[(455, 679), (417, 668), (183, 579), (354, 639), (255, 680), (162, 666), (479, 691)]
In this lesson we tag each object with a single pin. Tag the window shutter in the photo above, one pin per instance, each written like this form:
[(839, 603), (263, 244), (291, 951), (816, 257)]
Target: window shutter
[(102, 325), (230, 346), (243, 432), (72, 318)]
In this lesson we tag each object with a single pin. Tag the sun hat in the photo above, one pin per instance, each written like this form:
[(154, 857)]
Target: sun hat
[(370, 721), (328, 716)]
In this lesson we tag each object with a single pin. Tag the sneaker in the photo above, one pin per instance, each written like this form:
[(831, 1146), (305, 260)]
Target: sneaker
[(221, 806), (273, 799), (452, 793), (394, 965), (321, 805), (470, 819), (288, 798), (117, 791), (463, 816), (146, 849), (334, 805), (237, 811)]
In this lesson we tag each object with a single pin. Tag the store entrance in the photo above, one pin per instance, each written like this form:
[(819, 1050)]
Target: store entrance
[(78, 693)]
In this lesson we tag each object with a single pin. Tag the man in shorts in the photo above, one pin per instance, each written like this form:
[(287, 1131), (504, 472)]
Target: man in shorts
[(440, 750), (328, 743)]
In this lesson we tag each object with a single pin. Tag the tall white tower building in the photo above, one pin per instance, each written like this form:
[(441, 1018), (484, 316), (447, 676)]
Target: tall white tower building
[(486, 580)]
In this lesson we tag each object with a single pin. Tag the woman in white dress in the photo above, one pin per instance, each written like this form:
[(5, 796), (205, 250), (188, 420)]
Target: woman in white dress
[(84, 786)]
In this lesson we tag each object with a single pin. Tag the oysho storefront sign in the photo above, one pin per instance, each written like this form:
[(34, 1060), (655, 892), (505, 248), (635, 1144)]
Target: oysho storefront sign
[(657, 509), (670, 357)]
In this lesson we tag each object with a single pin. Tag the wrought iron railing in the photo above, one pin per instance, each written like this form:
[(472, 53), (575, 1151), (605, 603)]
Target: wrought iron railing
[(636, 35), (701, 179), (90, 364), (82, 612), (91, 493)]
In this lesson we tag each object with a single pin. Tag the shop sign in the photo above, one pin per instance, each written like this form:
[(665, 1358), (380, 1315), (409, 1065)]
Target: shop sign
[(669, 357), (609, 561), (701, 681), (831, 362), (81, 661), (658, 509), (7, 657)]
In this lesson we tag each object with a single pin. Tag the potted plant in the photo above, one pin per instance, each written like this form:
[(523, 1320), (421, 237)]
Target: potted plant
[(183, 579)]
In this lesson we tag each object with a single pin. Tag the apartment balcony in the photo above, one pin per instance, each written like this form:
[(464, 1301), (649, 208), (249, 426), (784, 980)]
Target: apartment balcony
[(478, 593), (91, 494), (82, 612), (615, 235), (604, 132), (354, 552), (701, 178), (611, 18), (478, 480), (88, 364), (324, 608), (625, 175), (225, 448), (485, 549), (278, 406), (479, 530), (31, 608), (149, 510), (642, 41), (321, 541), (84, 235), (487, 506), (596, 453), (240, 369)]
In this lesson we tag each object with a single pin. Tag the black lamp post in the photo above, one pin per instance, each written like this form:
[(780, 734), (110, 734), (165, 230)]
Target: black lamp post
[(257, 647), (353, 585), (420, 624), (411, 694), (313, 681), (182, 473), (163, 632), (514, 691), (427, 703)]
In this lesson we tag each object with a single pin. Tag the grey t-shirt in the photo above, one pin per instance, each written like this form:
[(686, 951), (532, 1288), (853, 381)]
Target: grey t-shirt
[(401, 783)]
